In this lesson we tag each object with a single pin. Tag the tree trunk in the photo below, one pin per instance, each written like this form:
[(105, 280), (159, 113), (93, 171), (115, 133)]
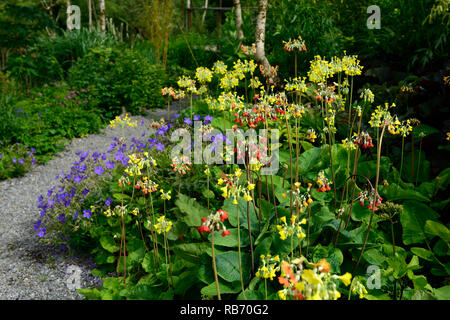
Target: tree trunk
[(102, 16), (238, 16), (204, 12), (260, 34), (90, 13)]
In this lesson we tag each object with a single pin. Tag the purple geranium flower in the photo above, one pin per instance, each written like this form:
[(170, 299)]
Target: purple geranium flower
[(159, 146), (187, 121), (14, 160), (196, 118), (109, 164), (41, 232), (176, 116), (99, 170), (87, 213), (108, 202), (208, 118)]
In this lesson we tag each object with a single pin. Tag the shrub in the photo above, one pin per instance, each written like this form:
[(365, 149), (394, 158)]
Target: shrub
[(119, 78)]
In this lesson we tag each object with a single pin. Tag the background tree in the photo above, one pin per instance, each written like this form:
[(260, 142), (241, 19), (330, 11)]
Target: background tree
[(238, 15), (260, 34)]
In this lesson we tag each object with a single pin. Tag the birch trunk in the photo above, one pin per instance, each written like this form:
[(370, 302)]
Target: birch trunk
[(204, 12), (238, 16), (102, 16), (260, 34), (90, 14)]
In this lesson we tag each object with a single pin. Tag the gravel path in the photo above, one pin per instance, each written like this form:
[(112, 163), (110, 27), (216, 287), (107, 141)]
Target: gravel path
[(28, 268)]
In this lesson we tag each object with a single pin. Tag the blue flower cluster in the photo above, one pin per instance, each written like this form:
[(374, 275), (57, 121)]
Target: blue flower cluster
[(84, 174)]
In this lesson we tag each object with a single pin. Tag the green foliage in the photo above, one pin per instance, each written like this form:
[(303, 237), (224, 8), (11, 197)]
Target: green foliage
[(119, 78)]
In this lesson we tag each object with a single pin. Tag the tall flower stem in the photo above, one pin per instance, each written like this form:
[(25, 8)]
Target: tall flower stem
[(379, 144), (290, 156), (239, 251), (401, 161), (151, 232), (331, 159), (216, 279), (153, 224), (207, 186)]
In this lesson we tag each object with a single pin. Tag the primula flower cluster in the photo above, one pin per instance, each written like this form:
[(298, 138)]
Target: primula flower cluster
[(294, 228), (298, 44), (146, 185), (233, 189), (311, 135), (363, 140), (323, 182), (248, 50), (122, 122), (373, 200), (214, 222), (163, 225), (181, 164), (316, 283), (270, 265), (300, 199)]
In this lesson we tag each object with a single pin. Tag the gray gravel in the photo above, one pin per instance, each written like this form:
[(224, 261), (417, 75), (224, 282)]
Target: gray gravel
[(28, 268)]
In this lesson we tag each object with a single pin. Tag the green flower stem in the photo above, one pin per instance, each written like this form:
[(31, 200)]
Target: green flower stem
[(153, 223), (239, 251), (290, 158), (379, 144), (216, 279), (265, 286), (168, 256), (207, 186), (331, 160), (401, 161), (151, 232), (124, 252)]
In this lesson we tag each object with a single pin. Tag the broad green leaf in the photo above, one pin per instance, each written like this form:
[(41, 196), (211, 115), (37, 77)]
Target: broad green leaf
[(228, 266), (374, 256), (423, 253), (211, 289), (136, 252), (192, 210), (369, 168), (442, 293), (231, 240), (413, 219), (108, 244), (186, 280), (144, 292), (441, 248), (208, 194), (422, 295), (190, 251), (309, 159), (433, 228), (393, 192), (232, 213)]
